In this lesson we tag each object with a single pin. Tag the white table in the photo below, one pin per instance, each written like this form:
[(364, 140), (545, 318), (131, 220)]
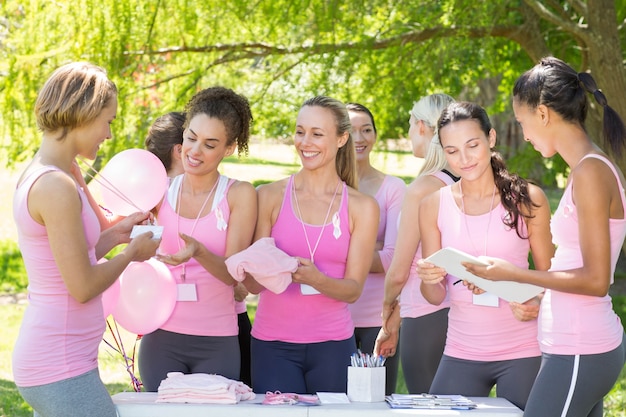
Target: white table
[(142, 404)]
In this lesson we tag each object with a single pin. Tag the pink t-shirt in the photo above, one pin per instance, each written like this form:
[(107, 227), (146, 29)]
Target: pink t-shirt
[(412, 302), (292, 316), (366, 311), (59, 336), (478, 332), (572, 324), (213, 314)]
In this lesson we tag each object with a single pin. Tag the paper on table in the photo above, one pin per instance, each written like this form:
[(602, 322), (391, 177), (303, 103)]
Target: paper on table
[(450, 259)]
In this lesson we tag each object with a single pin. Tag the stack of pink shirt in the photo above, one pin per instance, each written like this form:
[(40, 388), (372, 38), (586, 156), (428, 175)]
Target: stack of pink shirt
[(202, 389)]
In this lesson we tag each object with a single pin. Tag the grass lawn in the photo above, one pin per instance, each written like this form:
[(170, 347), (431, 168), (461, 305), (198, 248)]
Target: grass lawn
[(266, 162)]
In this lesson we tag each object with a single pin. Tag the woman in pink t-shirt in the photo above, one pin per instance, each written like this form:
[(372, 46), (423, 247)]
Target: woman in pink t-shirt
[(489, 211), (55, 359), (388, 192), (302, 338), (581, 338)]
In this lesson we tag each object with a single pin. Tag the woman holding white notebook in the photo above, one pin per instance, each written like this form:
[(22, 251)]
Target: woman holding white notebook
[(489, 211)]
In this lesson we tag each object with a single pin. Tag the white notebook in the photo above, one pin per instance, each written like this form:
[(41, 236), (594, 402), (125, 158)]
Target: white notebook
[(450, 259)]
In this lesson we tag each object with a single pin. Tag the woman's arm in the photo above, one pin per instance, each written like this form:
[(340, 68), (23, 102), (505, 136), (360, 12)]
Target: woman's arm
[(364, 215), (394, 195), (408, 239), (55, 203), (595, 189), (269, 197), (433, 285), (243, 211)]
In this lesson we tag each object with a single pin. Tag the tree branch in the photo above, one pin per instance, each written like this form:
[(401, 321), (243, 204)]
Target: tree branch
[(247, 50), (578, 30)]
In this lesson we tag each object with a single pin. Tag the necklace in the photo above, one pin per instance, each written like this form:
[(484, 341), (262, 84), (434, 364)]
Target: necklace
[(195, 222), (306, 235), (493, 198)]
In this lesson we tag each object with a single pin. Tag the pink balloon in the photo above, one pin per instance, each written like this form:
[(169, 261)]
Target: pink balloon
[(110, 297), (133, 180), (147, 296)]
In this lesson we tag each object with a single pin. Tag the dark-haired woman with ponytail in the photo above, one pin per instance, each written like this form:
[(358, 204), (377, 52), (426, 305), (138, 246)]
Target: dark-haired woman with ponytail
[(581, 338), (489, 211)]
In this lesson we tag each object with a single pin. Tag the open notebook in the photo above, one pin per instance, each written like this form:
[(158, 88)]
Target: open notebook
[(450, 259)]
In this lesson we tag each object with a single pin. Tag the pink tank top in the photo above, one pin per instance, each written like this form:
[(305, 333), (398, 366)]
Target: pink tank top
[(59, 337), (412, 302), (294, 317), (213, 314), (366, 311), (478, 332), (571, 324)]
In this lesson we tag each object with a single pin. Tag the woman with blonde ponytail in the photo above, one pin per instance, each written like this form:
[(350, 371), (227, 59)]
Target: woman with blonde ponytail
[(424, 325)]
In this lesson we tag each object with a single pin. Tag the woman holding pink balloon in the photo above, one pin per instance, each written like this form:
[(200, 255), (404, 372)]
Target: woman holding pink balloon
[(55, 363), (206, 217)]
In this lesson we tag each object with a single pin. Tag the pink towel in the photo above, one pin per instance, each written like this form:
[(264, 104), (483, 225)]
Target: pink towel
[(202, 388), (270, 266)]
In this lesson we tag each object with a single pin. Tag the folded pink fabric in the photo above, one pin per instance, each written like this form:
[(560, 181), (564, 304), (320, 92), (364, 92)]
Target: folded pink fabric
[(270, 266), (202, 388)]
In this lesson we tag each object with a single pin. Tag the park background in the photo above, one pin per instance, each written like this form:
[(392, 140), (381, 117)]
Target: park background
[(385, 54)]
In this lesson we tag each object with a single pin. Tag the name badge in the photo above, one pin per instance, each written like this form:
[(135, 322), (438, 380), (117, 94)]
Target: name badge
[(308, 290), (187, 292), (485, 299)]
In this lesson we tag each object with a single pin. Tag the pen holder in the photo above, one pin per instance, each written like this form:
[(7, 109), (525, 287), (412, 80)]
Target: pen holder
[(366, 384)]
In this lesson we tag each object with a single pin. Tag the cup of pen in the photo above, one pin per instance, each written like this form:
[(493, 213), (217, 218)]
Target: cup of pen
[(366, 378)]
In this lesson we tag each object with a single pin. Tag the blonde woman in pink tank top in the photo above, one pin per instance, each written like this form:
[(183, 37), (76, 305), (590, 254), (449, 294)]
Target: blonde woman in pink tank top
[(581, 337), (302, 338), (489, 211), (55, 359)]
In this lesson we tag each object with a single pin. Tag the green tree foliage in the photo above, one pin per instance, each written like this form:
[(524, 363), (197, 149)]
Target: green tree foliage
[(384, 54)]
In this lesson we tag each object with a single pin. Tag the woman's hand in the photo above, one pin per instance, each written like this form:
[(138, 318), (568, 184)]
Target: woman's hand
[(143, 247), (189, 251), (307, 273), (430, 273), (472, 287), (241, 292), (386, 343), (124, 227), (528, 310), (497, 270)]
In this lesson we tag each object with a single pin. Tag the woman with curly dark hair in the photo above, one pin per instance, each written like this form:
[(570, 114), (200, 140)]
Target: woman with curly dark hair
[(206, 217)]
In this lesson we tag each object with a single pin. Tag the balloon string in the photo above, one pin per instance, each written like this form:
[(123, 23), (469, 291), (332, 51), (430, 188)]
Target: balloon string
[(128, 361), (103, 181)]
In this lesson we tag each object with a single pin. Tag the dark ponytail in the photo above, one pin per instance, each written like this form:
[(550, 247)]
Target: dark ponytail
[(613, 129), (513, 189), (558, 86)]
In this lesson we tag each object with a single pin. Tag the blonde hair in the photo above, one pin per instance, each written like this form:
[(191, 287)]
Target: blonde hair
[(73, 96), (428, 109), (345, 161)]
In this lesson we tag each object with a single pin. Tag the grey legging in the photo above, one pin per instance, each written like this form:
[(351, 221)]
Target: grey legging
[(422, 340), (79, 396), (574, 385)]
